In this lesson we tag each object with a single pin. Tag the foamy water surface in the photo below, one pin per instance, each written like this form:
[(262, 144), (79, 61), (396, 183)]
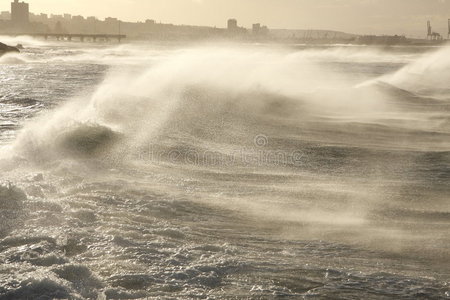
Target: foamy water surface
[(224, 171)]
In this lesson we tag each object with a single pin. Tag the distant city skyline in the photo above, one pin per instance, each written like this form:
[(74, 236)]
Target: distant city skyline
[(354, 16)]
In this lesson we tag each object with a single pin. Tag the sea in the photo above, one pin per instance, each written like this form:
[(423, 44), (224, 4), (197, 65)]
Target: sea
[(224, 170)]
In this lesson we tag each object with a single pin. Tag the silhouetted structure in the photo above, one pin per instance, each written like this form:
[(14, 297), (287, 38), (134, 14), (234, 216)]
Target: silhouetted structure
[(428, 29), (232, 24), (258, 30), (255, 28), (234, 29), (20, 12), (79, 36), (382, 40), (434, 36)]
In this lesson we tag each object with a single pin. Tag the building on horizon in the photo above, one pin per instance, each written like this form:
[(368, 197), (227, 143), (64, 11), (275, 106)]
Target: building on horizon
[(234, 29), (232, 24), (20, 14), (21, 21), (258, 30)]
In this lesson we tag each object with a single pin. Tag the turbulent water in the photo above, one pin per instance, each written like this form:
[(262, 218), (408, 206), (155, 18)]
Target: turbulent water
[(224, 171)]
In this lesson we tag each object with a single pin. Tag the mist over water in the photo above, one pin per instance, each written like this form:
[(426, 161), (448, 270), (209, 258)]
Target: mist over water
[(224, 170)]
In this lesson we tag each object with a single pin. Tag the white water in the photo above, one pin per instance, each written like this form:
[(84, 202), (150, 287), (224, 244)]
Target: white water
[(226, 170)]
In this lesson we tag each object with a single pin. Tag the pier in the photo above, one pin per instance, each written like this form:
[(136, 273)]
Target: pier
[(77, 36)]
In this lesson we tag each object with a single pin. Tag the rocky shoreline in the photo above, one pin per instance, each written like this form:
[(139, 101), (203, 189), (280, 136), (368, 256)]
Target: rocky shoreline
[(6, 49)]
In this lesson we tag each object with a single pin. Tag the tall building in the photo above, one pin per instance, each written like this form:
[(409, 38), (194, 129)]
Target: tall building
[(256, 29), (232, 24), (20, 13), (259, 30), (233, 28)]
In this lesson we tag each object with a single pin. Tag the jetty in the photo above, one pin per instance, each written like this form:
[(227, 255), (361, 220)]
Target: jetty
[(76, 36)]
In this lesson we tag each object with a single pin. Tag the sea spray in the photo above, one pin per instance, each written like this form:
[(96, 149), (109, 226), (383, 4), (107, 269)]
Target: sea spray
[(428, 76), (140, 103), (227, 170)]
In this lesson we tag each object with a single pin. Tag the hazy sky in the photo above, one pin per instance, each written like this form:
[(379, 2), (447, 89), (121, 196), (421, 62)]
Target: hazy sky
[(355, 16)]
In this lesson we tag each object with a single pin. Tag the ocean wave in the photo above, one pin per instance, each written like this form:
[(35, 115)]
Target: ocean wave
[(12, 59), (183, 93), (230, 172)]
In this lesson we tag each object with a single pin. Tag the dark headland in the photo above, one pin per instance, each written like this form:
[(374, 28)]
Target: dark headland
[(5, 49)]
